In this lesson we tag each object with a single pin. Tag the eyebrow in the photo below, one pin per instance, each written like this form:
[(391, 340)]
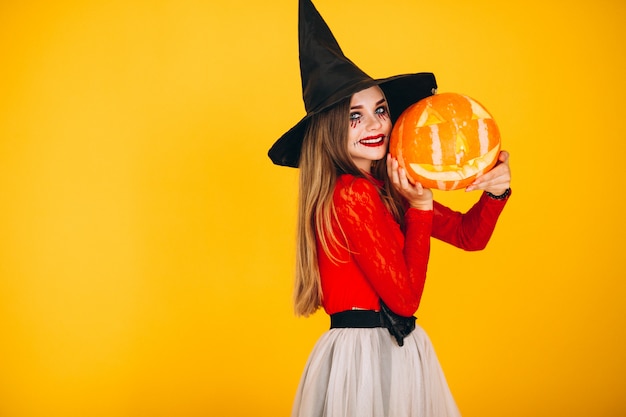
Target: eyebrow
[(360, 106)]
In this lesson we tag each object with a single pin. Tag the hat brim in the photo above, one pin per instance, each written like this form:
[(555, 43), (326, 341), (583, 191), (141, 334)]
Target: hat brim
[(401, 92)]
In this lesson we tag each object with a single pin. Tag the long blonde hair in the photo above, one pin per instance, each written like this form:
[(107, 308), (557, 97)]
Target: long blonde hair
[(324, 157)]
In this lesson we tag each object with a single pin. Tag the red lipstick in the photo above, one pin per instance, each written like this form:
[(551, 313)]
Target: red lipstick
[(373, 141)]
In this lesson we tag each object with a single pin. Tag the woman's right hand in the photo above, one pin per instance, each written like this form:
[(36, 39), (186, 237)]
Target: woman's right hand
[(417, 196)]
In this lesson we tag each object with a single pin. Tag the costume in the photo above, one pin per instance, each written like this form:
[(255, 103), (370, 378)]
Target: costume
[(363, 371), (382, 364)]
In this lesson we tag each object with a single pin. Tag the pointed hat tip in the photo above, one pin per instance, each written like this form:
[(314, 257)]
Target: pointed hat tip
[(324, 69)]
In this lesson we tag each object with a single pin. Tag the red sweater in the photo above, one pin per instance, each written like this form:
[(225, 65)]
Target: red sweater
[(377, 260)]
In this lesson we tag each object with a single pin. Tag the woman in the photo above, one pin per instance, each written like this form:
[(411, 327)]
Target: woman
[(355, 253), (364, 238)]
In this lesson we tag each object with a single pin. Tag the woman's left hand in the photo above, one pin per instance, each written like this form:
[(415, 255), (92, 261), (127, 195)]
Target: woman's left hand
[(497, 180)]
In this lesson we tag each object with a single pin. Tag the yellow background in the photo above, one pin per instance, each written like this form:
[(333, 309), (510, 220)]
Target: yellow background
[(147, 242)]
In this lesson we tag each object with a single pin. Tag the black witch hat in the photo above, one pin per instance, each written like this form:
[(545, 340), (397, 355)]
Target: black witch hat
[(329, 77)]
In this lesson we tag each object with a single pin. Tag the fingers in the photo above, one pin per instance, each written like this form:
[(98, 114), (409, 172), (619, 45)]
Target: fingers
[(497, 180), (398, 176), (404, 182), (419, 188), (416, 195), (392, 170), (503, 157)]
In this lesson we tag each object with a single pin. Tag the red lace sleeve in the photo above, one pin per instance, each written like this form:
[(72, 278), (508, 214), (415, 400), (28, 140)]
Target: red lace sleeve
[(393, 262), (469, 231)]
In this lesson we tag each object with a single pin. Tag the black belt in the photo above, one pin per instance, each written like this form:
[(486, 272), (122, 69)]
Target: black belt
[(398, 326), (365, 319)]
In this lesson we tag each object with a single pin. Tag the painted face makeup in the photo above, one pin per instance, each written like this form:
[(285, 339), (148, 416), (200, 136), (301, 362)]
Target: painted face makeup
[(369, 127)]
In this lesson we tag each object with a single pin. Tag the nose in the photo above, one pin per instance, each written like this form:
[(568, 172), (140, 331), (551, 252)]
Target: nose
[(374, 122)]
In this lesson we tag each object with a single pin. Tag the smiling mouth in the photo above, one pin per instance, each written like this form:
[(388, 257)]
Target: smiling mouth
[(373, 141)]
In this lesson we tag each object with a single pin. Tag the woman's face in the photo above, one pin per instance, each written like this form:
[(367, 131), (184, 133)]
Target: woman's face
[(369, 127)]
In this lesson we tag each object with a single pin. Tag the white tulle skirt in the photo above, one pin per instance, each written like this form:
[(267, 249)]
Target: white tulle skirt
[(364, 373)]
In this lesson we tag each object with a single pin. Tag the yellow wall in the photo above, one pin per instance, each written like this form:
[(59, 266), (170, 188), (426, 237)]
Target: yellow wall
[(146, 241)]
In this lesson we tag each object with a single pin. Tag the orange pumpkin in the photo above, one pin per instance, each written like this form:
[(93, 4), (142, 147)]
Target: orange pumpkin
[(445, 141)]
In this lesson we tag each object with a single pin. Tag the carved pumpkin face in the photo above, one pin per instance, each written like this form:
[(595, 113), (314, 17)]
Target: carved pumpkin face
[(445, 141)]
